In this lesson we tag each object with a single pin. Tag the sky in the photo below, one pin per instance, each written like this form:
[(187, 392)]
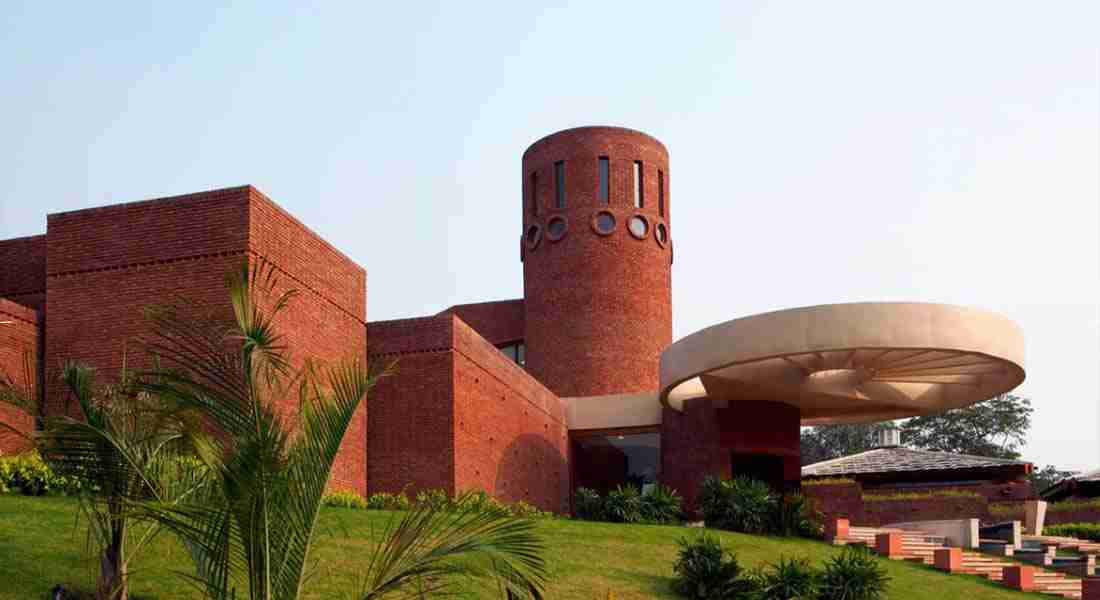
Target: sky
[(819, 151)]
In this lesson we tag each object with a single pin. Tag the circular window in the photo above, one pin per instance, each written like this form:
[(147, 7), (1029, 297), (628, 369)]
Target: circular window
[(638, 226), (660, 234), (555, 229), (533, 236), (603, 222)]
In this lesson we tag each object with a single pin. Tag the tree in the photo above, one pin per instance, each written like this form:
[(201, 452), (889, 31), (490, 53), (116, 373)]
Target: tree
[(1041, 479), (995, 428), (826, 442), (120, 447), (270, 470)]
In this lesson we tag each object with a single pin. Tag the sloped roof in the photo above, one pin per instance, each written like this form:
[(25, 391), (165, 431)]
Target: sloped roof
[(897, 459), (1089, 476)]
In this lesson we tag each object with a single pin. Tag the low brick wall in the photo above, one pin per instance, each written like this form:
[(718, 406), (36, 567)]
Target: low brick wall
[(935, 508), (836, 501), (1006, 511)]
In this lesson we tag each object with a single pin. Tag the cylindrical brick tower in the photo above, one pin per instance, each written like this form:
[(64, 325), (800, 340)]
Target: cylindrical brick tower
[(597, 254)]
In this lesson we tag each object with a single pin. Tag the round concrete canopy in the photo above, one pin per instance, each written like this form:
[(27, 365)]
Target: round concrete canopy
[(849, 363)]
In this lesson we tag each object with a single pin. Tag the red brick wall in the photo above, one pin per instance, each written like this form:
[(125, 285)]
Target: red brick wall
[(107, 264), (459, 415), (23, 276), (936, 508), (598, 308), (410, 430), (839, 500), (511, 436), (499, 322), (18, 367), (326, 321), (700, 441)]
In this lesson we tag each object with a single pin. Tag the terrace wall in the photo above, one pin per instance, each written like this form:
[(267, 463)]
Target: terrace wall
[(23, 277)]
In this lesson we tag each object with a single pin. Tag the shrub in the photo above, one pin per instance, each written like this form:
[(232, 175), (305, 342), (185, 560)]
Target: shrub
[(29, 475), (705, 571), (827, 481), (623, 505), (344, 499), (587, 504), (436, 498), (1068, 505), (388, 501), (787, 579), (1084, 531), (854, 574), (792, 515), (740, 504), (919, 495), (661, 504)]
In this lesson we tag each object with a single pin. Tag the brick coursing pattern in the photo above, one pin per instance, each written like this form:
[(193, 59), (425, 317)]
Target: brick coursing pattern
[(23, 276), (459, 415), (103, 266), (701, 440), (18, 367), (499, 322), (598, 308)]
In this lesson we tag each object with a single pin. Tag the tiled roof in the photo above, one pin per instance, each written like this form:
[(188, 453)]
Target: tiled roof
[(886, 460)]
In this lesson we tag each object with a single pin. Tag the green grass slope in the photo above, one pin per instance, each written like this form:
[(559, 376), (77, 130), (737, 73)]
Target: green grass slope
[(41, 544)]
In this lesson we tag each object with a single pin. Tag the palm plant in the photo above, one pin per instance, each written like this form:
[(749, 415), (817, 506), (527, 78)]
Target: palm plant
[(274, 431), (121, 447)]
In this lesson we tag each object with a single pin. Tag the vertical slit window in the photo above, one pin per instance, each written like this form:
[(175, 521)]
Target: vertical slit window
[(605, 183), (661, 192), (533, 193), (639, 189), (559, 184)]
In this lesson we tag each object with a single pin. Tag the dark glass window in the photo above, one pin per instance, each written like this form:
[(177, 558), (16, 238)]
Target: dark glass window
[(517, 352), (604, 462), (605, 182), (605, 222), (555, 228), (559, 184), (660, 192), (639, 187), (533, 193)]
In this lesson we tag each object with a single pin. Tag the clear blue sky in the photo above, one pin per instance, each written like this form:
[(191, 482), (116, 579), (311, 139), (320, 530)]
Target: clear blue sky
[(820, 151)]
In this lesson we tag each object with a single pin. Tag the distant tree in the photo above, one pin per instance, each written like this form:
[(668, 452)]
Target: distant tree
[(825, 442), (1049, 475), (995, 428)]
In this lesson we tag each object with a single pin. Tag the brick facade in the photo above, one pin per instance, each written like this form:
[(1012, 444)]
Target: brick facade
[(18, 367), (499, 322), (598, 307), (97, 269), (459, 415)]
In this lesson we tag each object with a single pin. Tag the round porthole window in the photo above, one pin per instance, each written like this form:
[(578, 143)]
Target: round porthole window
[(638, 226), (532, 236), (603, 222), (660, 234), (555, 229)]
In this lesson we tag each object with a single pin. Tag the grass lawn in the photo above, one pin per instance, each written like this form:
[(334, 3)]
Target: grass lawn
[(41, 544)]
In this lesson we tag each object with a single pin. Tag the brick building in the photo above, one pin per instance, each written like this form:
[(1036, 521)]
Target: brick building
[(577, 383)]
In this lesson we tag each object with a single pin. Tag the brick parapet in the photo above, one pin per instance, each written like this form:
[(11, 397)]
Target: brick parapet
[(23, 276), (499, 322)]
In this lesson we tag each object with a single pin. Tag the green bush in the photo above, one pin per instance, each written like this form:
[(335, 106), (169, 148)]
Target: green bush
[(1068, 505), (661, 504), (435, 498), (623, 505), (28, 474), (587, 505), (792, 516), (741, 504), (787, 579), (854, 574), (388, 501), (706, 571), (1084, 531), (919, 495), (343, 499)]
